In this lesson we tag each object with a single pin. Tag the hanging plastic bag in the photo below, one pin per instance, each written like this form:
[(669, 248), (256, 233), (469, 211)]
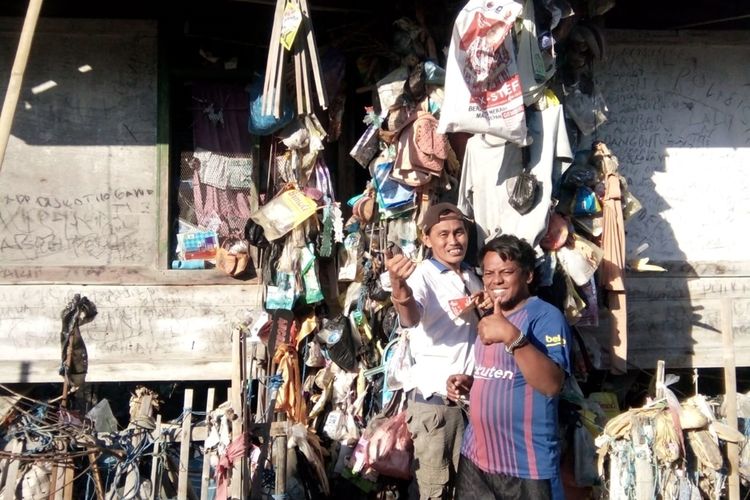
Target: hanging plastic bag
[(390, 194), (260, 124), (590, 315), (282, 294), (587, 111), (336, 333), (581, 261), (585, 457), (283, 213), (314, 355), (367, 146), (398, 363), (390, 448), (483, 92), (586, 202), (522, 191)]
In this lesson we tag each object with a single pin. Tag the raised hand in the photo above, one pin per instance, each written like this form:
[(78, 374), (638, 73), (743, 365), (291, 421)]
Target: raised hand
[(399, 267)]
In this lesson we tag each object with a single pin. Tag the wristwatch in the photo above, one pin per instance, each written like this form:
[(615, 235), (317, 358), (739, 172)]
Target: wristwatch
[(519, 342)]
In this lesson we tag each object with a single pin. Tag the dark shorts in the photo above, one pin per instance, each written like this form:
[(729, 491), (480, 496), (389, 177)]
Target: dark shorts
[(472, 483)]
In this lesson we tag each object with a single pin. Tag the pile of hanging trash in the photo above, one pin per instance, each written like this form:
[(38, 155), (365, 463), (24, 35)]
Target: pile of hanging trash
[(671, 449)]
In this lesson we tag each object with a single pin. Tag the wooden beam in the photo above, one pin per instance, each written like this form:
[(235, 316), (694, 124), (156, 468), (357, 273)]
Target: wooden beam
[(96, 476), (237, 486), (183, 481), (11, 478), (205, 473), (279, 463), (16, 75), (730, 396), (155, 460), (660, 368)]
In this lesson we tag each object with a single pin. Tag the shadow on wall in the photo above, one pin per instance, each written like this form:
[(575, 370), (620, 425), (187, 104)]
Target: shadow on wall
[(83, 86), (679, 115)]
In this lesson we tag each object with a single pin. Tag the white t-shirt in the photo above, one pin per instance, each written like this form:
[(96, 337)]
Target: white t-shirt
[(441, 344), (488, 164)]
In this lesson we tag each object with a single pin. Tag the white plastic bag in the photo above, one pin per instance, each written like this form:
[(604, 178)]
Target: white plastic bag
[(483, 93), (398, 365)]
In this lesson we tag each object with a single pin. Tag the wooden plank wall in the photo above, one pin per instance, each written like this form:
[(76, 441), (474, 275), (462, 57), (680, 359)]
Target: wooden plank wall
[(146, 332), (676, 316)]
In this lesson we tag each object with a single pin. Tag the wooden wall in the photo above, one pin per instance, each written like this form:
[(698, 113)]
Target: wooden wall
[(83, 198)]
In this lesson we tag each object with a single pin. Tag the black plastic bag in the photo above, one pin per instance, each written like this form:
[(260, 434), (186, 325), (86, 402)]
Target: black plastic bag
[(522, 192)]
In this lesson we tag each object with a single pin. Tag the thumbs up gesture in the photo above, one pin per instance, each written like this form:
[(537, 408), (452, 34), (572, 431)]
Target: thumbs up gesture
[(495, 328)]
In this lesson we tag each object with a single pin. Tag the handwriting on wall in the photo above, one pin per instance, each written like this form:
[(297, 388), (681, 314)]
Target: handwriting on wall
[(678, 115), (79, 180), (135, 324), (94, 228)]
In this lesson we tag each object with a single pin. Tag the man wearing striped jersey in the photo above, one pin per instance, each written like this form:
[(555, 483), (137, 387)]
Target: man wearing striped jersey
[(511, 446)]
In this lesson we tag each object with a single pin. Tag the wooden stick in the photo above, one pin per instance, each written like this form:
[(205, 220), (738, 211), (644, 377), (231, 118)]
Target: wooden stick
[(238, 398), (315, 59), (11, 478), (205, 473), (144, 411), (16, 75), (274, 46), (306, 83), (298, 77), (279, 460), (52, 482), (660, 379), (278, 84), (155, 475), (173, 474), (69, 478), (57, 491), (96, 476), (183, 479), (730, 396)]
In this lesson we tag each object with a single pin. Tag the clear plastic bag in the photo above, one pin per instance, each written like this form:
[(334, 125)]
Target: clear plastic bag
[(398, 364), (587, 111)]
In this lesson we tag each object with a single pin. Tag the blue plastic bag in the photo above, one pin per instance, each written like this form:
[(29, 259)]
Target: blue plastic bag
[(586, 202), (260, 124)]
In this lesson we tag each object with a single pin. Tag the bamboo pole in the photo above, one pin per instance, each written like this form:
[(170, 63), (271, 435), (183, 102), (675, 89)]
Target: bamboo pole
[(730, 395), (16, 75)]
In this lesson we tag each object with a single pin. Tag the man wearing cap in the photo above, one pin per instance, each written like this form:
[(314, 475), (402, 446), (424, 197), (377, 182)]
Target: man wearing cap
[(441, 339)]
